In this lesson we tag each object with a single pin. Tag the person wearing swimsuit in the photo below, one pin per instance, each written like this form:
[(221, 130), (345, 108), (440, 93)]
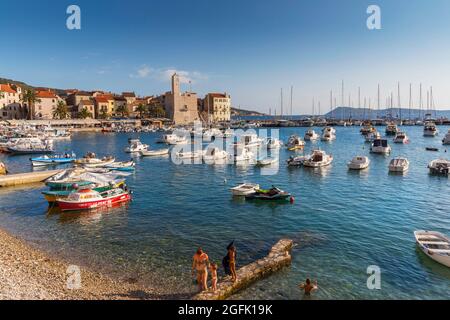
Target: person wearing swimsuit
[(200, 263), (213, 270), (308, 287), (232, 263)]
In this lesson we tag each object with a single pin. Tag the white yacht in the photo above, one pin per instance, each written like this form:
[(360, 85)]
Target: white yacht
[(380, 146), (435, 245), (135, 145), (429, 129), (251, 140), (371, 136), (446, 139), (318, 159), (328, 134), (212, 154), (399, 165), (240, 153), (391, 129), (311, 135), (273, 143), (244, 189), (295, 143), (439, 166), (401, 137), (174, 139), (212, 134), (358, 163)]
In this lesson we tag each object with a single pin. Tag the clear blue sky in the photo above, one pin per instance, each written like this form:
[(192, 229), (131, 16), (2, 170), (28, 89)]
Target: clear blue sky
[(248, 48)]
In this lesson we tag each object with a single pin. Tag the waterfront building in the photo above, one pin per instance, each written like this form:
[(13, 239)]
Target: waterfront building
[(129, 96), (104, 105), (180, 107), (120, 103), (217, 106), (10, 102), (88, 105), (74, 98), (46, 104)]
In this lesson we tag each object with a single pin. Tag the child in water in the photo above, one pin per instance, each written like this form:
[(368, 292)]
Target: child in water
[(213, 270)]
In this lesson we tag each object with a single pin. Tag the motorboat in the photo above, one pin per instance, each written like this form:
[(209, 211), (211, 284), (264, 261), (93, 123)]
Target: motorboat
[(399, 165), (435, 245), (371, 136), (430, 129), (272, 194), (154, 153), (90, 160), (212, 154), (174, 139), (318, 159), (296, 161), (266, 161), (358, 163), (53, 160), (380, 146), (328, 134), (189, 154), (367, 128), (251, 140), (446, 139), (240, 153), (244, 189), (273, 143), (35, 147), (212, 134), (86, 199), (121, 166), (431, 149), (295, 143), (439, 167), (135, 145), (391, 129), (401, 137), (311, 135)]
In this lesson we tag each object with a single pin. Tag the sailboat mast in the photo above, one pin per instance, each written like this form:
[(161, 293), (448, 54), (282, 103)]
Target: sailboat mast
[(410, 100), (420, 102), (398, 101), (292, 89), (359, 101), (281, 115), (331, 103), (378, 101)]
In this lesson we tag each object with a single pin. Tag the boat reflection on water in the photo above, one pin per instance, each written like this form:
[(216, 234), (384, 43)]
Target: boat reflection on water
[(86, 217), (321, 172)]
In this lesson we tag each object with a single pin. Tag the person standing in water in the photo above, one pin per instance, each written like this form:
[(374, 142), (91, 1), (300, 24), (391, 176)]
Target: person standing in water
[(200, 263), (308, 287), (232, 262), (213, 270)]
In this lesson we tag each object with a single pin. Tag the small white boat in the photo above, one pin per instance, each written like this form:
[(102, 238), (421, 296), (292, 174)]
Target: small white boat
[(358, 163), (135, 145), (401, 137), (391, 129), (439, 166), (295, 143), (154, 153), (311, 135), (446, 139), (174, 139), (296, 161), (91, 161), (273, 143), (429, 129), (240, 153), (212, 154), (318, 159), (266, 161), (399, 165), (435, 245), (328, 134), (380, 146), (244, 189), (371, 136), (251, 140), (189, 154)]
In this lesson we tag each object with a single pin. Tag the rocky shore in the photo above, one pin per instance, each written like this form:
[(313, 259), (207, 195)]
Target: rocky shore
[(27, 273)]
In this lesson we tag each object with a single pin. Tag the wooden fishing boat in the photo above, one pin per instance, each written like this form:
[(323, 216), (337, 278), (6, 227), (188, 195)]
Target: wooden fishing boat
[(435, 245), (244, 189), (52, 160), (91, 161), (154, 153), (89, 199)]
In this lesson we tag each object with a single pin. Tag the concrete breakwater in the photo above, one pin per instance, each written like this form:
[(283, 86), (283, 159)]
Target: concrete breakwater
[(25, 178), (278, 257)]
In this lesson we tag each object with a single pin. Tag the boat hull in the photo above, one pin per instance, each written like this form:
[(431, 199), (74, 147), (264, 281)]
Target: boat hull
[(76, 206)]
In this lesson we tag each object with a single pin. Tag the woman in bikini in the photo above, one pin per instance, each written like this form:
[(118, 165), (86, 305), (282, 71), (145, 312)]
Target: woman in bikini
[(200, 263), (232, 262)]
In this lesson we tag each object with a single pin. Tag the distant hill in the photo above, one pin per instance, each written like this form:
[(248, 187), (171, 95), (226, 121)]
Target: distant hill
[(404, 113), (243, 113), (26, 86)]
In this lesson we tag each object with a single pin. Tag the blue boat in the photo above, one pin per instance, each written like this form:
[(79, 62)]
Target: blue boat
[(53, 160)]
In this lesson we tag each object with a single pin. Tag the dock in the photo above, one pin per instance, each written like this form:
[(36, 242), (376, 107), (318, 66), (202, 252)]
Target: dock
[(278, 257), (10, 180)]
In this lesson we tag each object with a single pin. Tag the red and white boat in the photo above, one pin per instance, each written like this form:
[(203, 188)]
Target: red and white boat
[(86, 199)]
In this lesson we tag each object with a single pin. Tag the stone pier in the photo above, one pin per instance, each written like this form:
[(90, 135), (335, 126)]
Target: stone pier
[(278, 257), (25, 178)]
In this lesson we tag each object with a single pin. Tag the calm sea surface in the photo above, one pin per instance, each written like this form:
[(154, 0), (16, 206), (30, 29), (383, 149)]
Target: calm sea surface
[(341, 221)]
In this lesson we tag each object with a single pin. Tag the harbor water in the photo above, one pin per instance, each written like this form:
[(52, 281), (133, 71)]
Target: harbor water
[(341, 221)]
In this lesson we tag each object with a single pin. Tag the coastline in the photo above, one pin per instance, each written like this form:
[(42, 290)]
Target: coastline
[(27, 273)]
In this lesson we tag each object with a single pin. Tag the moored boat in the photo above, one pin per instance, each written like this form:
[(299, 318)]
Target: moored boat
[(91, 161), (318, 159), (358, 163), (399, 165), (271, 194), (435, 245), (53, 160), (244, 189), (154, 153), (446, 139), (295, 143), (86, 199), (311, 135), (135, 145), (391, 129), (439, 167), (380, 146), (401, 137), (429, 129)]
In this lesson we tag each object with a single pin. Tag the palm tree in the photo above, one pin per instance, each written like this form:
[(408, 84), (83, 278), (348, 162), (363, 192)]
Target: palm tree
[(141, 108), (122, 109), (103, 114), (30, 98), (61, 111), (83, 114)]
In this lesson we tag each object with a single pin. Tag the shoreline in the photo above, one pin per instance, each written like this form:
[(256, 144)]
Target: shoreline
[(27, 273)]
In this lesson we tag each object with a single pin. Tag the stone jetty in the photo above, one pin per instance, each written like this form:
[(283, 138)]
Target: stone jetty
[(25, 178), (278, 257)]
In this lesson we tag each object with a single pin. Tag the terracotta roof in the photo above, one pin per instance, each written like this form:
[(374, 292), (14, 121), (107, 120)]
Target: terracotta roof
[(106, 96), (86, 102), (217, 95), (83, 93), (128, 94), (7, 88), (120, 99), (45, 94), (100, 99)]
